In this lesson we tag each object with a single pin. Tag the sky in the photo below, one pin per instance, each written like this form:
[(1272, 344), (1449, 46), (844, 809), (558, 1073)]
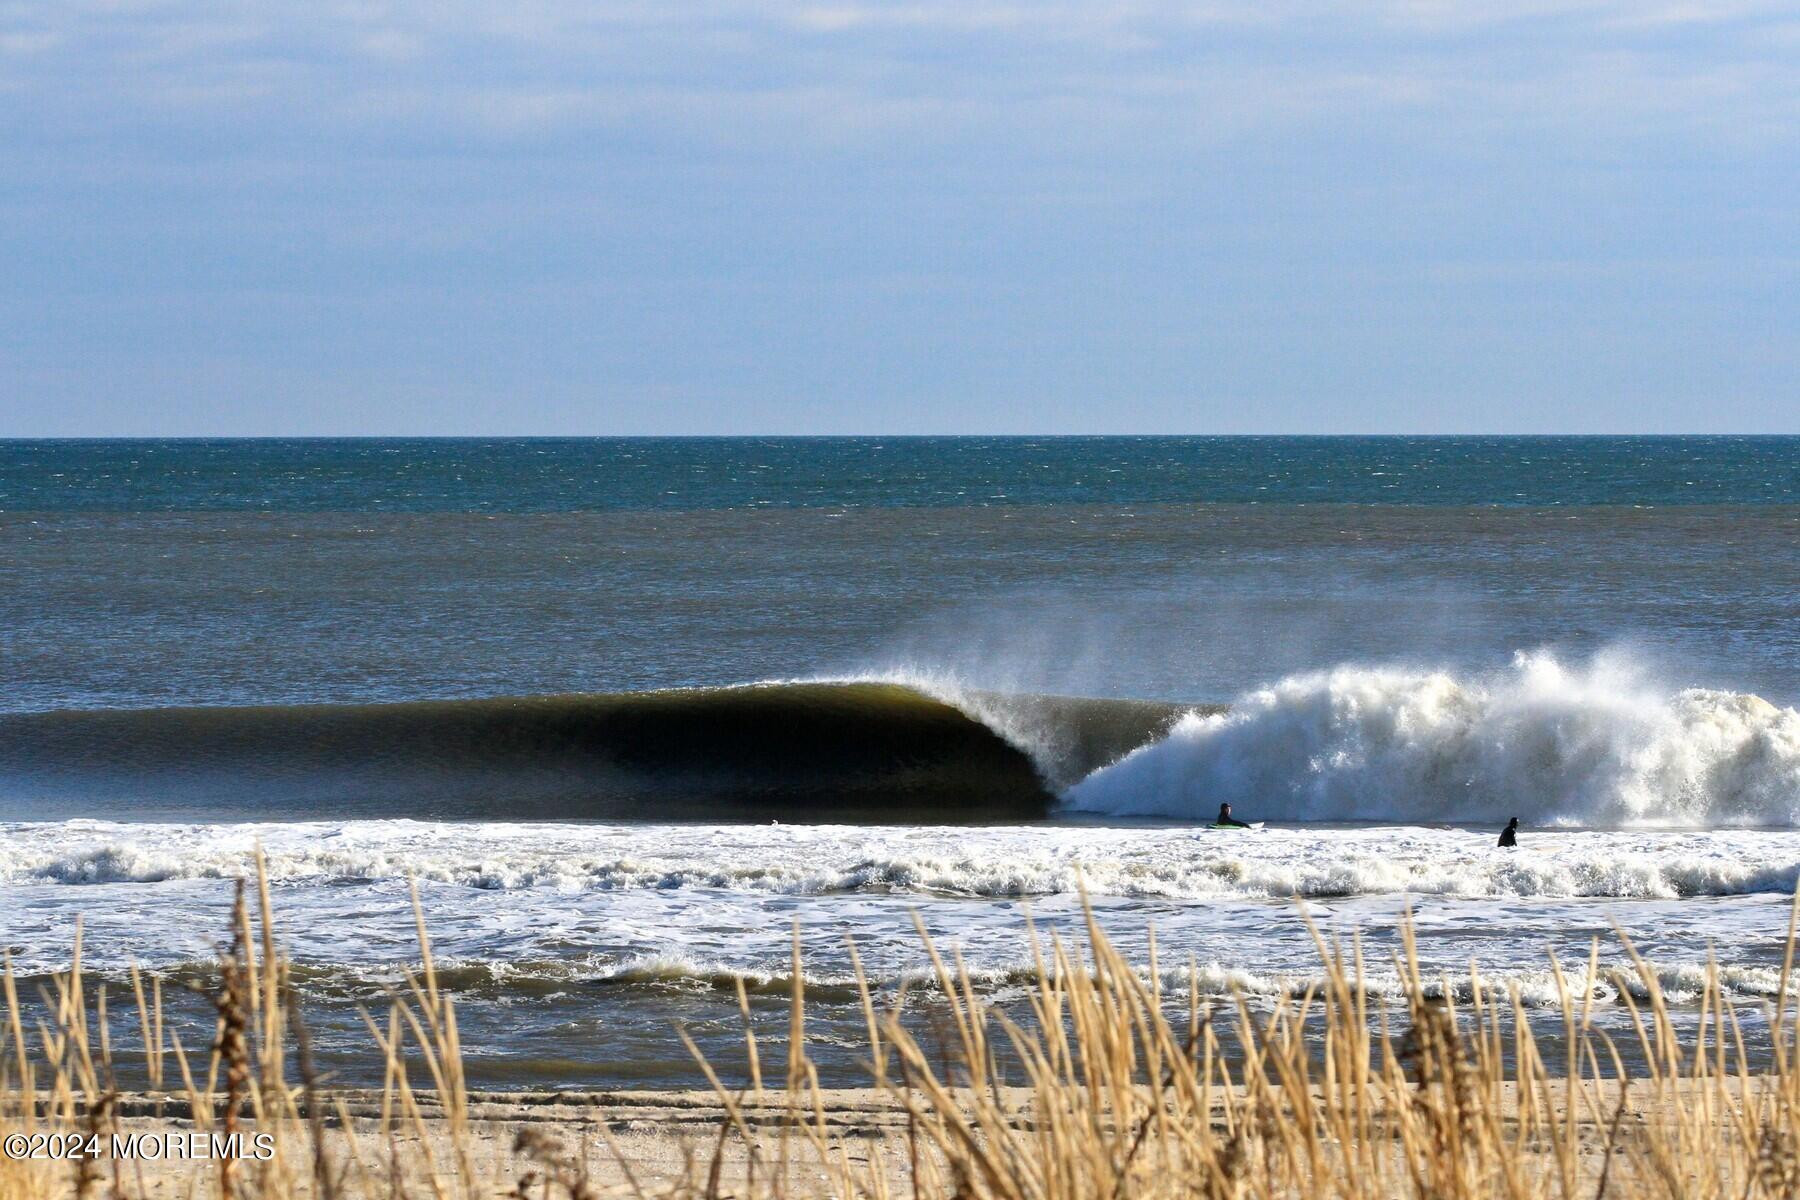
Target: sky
[(750, 216)]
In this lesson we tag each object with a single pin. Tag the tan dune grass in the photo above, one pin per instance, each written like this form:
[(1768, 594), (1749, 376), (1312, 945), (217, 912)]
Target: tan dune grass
[(1329, 1094)]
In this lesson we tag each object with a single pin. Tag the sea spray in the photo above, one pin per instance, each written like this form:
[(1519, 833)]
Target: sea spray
[(1066, 737), (1592, 746)]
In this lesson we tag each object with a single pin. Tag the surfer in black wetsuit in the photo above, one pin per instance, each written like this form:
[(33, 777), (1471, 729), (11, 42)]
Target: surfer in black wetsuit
[(1229, 821), (1510, 835)]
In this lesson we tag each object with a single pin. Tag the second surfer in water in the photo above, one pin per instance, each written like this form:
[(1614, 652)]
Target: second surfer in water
[(1226, 819), (1510, 835)]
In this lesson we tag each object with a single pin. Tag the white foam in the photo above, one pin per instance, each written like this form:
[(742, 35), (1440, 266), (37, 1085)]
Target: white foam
[(519, 911), (1007, 861), (1597, 746)]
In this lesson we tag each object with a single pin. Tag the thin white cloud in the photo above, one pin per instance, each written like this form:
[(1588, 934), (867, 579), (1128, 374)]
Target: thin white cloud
[(542, 64)]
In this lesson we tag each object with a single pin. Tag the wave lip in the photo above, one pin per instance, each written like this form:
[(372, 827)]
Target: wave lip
[(1542, 742)]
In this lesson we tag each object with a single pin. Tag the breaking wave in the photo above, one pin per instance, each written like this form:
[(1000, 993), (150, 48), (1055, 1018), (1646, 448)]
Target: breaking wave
[(512, 982), (875, 750), (1536, 987), (1596, 746), (1591, 746)]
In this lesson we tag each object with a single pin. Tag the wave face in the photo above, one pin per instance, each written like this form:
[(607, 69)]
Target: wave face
[(875, 751), (1541, 741)]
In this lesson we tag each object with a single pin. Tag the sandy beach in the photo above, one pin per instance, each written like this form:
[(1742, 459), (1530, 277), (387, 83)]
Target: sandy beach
[(655, 1140)]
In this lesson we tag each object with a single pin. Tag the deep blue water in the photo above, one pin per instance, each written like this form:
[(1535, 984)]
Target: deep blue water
[(624, 474), (146, 573)]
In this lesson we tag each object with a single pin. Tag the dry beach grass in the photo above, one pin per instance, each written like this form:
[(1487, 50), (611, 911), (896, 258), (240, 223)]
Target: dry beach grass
[(1115, 1090)]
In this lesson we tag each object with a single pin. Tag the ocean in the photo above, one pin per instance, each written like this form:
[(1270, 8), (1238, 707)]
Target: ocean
[(630, 711)]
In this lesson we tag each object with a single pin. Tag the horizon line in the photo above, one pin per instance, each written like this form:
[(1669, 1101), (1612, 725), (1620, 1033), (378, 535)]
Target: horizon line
[(746, 437)]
